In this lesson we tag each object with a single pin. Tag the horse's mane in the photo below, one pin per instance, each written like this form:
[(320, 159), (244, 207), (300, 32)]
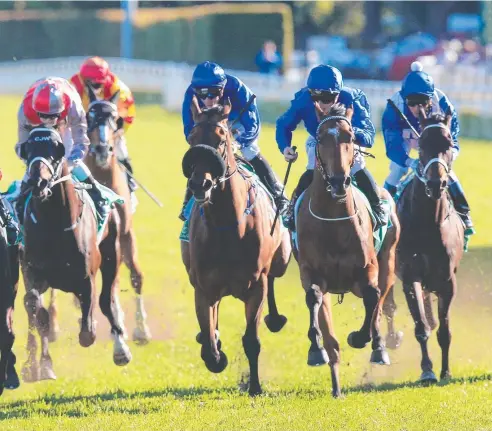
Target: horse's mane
[(436, 118), (337, 110), (214, 110)]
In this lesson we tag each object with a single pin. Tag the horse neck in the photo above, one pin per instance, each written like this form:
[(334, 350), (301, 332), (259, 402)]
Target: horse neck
[(428, 210), (229, 199)]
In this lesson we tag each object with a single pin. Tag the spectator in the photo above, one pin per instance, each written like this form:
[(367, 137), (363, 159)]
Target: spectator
[(268, 59)]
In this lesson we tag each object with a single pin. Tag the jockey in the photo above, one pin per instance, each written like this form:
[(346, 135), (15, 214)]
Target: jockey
[(54, 103), (10, 224), (325, 86), (418, 89), (95, 74), (212, 85)]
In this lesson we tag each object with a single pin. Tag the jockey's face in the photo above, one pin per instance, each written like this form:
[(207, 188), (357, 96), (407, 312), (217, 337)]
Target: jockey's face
[(326, 99), (413, 103), (210, 96), (49, 120)]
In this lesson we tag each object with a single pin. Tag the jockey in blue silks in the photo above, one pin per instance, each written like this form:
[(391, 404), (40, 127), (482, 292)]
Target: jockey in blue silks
[(418, 89), (212, 86), (325, 86)]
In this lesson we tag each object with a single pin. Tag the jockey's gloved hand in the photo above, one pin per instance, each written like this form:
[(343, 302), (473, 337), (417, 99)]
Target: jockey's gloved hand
[(412, 164), (119, 123), (75, 156), (290, 154)]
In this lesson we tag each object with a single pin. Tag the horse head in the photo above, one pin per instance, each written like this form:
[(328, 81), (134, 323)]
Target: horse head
[(435, 153), (206, 162), (44, 153), (101, 127), (335, 148)]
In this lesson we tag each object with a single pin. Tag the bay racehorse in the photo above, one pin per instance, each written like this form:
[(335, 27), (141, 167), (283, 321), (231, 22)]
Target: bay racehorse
[(230, 251), (61, 251), (432, 240), (102, 162), (336, 251), (9, 277)]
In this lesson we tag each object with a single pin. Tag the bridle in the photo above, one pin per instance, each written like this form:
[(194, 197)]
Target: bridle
[(95, 121)]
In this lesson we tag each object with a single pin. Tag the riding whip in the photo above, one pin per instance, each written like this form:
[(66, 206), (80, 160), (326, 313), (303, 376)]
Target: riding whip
[(403, 117), (277, 213), (149, 194), (242, 111)]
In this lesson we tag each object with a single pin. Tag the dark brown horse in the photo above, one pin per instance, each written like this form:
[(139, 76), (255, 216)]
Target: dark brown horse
[(230, 251), (336, 251), (432, 240), (9, 277), (102, 162), (61, 251)]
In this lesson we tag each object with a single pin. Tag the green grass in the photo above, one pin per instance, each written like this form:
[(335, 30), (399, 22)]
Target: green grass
[(167, 386)]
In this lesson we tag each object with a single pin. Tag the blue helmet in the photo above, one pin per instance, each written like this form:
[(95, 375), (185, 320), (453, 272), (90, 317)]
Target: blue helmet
[(208, 74), (326, 78), (417, 82)]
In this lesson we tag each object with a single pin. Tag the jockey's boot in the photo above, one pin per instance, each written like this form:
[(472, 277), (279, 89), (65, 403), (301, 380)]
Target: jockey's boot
[(391, 189), (188, 195), (10, 224), (21, 202), (304, 182), (367, 184), (461, 205), (268, 178), (132, 185), (102, 206)]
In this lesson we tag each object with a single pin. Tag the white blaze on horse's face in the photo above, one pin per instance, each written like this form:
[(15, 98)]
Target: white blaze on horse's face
[(211, 102)]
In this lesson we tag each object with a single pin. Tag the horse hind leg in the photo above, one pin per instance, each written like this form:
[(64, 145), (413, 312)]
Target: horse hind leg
[(414, 296), (141, 333), (273, 320), (32, 303), (108, 300), (444, 333), (317, 354), (330, 343), (46, 364), (54, 330)]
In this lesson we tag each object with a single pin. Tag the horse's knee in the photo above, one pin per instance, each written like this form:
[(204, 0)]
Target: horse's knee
[(43, 319), (32, 301), (371, 295), (252, 346), (314, 296)]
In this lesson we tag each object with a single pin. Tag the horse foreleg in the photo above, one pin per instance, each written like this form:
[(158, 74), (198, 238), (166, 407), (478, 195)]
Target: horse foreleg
[(141, 333), (317, 354), (413, 294), (32, 303), (214, 358), (444, 333), (12, 381), (7, 343), (86, 295), (53, 313), (274, 321), (109, 301), (429, 313), (330, 343), (251, 341), (43, 325)]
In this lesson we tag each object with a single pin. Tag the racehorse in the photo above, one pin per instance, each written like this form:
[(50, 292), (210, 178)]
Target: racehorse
[(103, 163), (432, 240), (230, 251), (61, 250), (336, 251), (9, 277)]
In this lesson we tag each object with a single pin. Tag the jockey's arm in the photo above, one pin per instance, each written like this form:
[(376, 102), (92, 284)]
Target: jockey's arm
[(186, 114), (393, 138), (76, 120), (361, 121), (287, 123), (126, 103), (22, 130), (250, 119), (446, 105)]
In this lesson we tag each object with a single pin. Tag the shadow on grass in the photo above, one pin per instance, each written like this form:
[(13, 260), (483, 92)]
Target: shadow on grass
[(52, 403)]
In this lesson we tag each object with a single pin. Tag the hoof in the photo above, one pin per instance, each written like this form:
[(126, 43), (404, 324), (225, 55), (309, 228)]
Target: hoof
[(317, 357), (218, 367), (30, 372), (275, 323), (336, 394), (12, 381), (445, 376), (380, 357), (121, 353), (87, 339), (428, 378), (393, 341), (47, 373), (255, 392), (141, 335), (356, 340)]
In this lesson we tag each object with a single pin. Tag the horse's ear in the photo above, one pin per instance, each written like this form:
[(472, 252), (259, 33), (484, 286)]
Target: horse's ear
[(114, 98), (349, 113), (195, 109), (23, 151), (319, 111), (92, 95), (227, 108), (422, 114)]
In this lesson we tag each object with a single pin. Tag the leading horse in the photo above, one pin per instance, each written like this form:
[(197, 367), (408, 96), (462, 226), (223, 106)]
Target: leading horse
[(61, 250), (336, 252), (230, 251), (103, 163), (432, 240)]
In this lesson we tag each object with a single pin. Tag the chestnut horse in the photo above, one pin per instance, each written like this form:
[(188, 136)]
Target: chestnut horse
[(103, 164), (432, 240), (230, 251), (336, 251), (61, 251)]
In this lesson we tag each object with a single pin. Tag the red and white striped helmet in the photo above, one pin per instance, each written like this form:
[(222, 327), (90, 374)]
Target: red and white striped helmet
[(48, 98)]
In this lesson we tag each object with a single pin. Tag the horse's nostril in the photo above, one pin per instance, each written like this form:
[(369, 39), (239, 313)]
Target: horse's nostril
[(347, 181), (207, 184), (444, 184)]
